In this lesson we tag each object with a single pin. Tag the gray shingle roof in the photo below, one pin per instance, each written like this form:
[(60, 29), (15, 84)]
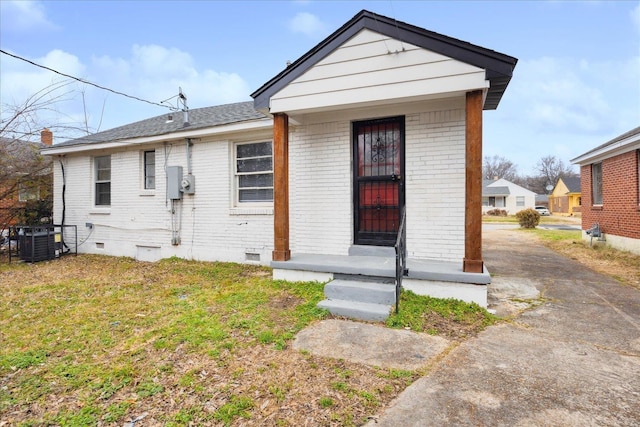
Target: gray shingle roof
[(199, 118), (572, 183), (493, 191)]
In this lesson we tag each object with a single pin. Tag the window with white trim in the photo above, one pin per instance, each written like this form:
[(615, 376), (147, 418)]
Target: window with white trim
[(102, 176), (149, 162), (520, 201), (596, 184), (638, 167), (254, 172)]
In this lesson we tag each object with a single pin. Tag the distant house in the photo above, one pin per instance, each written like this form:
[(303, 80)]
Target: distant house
[(314, 175), (25, 177), (503, 194), (542, 200), (610, 183), (566, 197)]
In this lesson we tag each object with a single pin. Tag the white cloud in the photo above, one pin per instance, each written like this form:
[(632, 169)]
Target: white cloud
[(24, 16), (575, 95), (307, 24), (150, 72), (21, 80), (155, 72)]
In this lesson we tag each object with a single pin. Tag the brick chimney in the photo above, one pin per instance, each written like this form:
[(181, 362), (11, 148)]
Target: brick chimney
[(46, 137)]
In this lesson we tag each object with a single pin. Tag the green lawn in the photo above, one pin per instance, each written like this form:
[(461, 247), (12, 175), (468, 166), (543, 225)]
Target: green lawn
[(93, 339)]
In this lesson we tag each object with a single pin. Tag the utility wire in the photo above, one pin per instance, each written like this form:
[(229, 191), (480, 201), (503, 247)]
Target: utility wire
[(85, 81)]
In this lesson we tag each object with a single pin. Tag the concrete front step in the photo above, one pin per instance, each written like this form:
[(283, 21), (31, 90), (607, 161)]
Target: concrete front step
[(361, 291), (356, 310)]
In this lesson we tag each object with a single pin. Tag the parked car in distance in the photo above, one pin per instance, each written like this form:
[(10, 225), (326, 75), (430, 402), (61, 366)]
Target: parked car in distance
[(543, 211)]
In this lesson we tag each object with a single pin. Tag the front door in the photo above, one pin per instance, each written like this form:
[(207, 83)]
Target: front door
[(378, 149)]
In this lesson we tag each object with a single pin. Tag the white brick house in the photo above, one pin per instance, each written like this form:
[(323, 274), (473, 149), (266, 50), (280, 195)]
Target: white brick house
[(378, 117)]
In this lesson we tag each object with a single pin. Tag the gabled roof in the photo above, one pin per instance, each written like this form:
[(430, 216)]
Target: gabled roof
[(627, 141), (572, 183), (499, 67), (487, 190), (199, 118)]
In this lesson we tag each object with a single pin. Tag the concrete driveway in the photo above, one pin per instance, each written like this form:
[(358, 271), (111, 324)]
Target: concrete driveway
[(573, 360)]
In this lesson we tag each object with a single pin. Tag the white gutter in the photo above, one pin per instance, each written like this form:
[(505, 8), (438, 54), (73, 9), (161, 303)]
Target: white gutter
[(619, 147), (254, 125)]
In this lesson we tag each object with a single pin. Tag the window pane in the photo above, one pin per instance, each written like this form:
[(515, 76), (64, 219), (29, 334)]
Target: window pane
[(253, 150), (254, 165), (103, 181), (150, 170), (103, 193), (254, 172), (256, 195), (596, 177), (260, 180), (103, 168)]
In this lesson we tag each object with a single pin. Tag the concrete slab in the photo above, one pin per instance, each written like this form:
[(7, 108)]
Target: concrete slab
[(370, 344), (574, 360)]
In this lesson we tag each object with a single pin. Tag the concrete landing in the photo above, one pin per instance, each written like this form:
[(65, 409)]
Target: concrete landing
[(370, 344)]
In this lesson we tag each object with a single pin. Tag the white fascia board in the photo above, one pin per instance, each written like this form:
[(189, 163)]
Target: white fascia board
[(196, 133), (620, 147)]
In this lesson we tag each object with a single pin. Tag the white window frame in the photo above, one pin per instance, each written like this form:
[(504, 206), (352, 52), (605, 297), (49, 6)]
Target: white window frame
[(520, 201), (594, 183), (237, 176), (145, 188), (97, 181)]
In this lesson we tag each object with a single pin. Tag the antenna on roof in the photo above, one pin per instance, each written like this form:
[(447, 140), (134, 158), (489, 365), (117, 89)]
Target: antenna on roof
[(182, 99)]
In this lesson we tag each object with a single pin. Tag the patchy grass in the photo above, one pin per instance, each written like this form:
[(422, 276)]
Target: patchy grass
[(624, 266), (94, 340), (452, 318)]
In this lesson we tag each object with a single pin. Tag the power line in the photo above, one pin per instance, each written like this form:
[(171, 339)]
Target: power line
[(85, 81)]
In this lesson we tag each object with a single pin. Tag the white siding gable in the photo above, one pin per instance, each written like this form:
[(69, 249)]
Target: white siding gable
[(374, 69)]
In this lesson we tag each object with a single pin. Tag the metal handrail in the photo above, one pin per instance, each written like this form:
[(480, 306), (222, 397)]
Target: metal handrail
[(401, 256)]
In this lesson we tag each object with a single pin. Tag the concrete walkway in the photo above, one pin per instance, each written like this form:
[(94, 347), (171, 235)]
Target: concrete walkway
[(574, 360)]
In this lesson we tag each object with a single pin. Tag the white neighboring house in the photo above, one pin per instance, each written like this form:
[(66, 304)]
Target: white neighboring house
[(313, 176), (503, 194)]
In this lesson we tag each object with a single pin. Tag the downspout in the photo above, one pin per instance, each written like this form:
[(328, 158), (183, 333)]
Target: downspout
[(189, 145), (64, 204)]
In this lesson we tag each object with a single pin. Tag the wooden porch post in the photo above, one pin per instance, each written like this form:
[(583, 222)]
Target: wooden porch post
[(281, 250), (473, 185)]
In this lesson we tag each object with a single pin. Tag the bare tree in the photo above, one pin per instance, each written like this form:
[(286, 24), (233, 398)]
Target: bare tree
[(499, 167), (25, 175), (549, 169)]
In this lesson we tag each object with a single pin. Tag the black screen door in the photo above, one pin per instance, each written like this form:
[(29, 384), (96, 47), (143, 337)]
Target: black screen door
[(378, 180)]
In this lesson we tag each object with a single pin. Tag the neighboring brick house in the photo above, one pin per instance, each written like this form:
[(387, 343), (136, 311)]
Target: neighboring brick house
[(611, 190), (25, 176), (566, 197), (379, 117)]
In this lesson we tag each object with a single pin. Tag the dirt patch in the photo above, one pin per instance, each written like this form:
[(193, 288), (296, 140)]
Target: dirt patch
[(284, 301)]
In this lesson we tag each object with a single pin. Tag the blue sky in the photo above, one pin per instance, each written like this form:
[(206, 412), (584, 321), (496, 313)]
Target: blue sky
[(576, 85)]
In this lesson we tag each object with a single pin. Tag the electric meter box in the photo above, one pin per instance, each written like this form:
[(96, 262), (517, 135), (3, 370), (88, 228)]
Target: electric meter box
[(174, 182), (188, 184)]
